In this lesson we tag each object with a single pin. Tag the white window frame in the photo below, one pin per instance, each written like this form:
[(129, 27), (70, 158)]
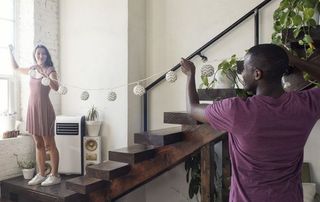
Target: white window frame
[(12, 87), (11, 101)]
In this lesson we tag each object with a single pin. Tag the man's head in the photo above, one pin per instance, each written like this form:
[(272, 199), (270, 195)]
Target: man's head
[(264, 63)]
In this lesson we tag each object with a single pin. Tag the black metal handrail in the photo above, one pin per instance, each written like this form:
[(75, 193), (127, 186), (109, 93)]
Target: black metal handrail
[(254, 12)]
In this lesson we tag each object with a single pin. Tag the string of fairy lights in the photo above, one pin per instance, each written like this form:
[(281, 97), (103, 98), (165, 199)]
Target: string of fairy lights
[(139, 90)]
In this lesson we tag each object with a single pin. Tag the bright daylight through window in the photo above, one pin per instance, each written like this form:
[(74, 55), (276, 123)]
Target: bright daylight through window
[(7, 22)]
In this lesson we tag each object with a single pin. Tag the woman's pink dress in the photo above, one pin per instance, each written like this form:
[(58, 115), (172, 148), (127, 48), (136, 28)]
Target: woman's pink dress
[(40, 114)]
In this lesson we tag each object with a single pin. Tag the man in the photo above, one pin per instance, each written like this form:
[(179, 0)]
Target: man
[(267, 132)]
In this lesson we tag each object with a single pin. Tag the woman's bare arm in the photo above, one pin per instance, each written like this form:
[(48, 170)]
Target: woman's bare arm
[(15, 64)]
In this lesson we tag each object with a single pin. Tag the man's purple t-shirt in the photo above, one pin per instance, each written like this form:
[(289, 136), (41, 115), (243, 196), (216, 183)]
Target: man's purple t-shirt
[(266, 140)]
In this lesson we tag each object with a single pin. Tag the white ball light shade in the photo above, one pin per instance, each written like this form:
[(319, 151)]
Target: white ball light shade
[(45, 81), (171, 76), (62, 90), (112, 96), (139, 90), (207, 70), (84, 95)]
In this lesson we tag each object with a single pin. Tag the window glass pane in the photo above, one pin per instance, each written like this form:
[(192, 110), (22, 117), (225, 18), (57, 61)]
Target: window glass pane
[(4, 93), (6, 30), (6, 9), (5, 62)]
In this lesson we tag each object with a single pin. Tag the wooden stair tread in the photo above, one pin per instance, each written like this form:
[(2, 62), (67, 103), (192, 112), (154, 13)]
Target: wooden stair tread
[(159, 137), (216, 94), (132, 154), (85, 184), (179, 118), (108, 170), (167, 157)]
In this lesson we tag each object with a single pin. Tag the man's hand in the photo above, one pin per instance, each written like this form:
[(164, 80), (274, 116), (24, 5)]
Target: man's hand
[(187, 67)]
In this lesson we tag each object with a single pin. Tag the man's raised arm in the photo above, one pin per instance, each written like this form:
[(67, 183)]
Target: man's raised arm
[(196, 110)]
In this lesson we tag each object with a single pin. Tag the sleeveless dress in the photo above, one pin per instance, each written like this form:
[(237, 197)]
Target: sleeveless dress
[(40, 114)]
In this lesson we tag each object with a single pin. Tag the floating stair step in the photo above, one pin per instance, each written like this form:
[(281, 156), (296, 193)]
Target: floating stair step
[(108, 170), (160, 137), (85, 184), (133, 154), (179, 118), (215, 94)]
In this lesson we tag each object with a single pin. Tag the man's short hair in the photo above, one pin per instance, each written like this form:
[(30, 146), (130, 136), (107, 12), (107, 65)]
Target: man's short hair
[(269, 58)]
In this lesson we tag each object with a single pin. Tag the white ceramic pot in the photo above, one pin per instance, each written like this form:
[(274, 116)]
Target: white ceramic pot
[(93, 128), (8, 123), (223, 80), (28, 173)]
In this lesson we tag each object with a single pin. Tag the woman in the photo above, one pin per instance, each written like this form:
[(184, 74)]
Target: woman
[(41, 115)]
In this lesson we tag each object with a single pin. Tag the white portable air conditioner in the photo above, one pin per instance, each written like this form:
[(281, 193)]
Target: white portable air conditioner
[(69, 132)]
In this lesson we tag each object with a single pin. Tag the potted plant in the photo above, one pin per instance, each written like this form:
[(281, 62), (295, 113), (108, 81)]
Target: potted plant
[(92, 123), (224, 81), (295, 22), (27, 166), (296, 27)]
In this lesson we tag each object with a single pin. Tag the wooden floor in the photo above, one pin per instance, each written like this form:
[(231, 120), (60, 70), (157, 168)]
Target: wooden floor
[(17, 189)]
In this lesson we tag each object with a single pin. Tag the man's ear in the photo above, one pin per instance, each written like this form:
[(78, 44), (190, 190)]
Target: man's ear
[(257, 74)]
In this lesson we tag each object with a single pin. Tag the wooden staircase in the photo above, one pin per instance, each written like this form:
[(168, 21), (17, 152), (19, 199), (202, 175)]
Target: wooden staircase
[(154, 153)]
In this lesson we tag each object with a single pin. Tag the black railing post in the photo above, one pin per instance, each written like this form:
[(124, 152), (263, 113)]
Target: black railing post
[(145, 111), (256, 26)]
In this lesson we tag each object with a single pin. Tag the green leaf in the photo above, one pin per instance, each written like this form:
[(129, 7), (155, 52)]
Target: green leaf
[(301, 42), (311, 22), (308, 13), (284, 4), (309, 3), (297, 20), (296, 32), (284, 18), (307, 38), (205, 80)]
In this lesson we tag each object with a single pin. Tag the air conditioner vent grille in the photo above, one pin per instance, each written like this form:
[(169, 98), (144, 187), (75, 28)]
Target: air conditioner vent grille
[(67, 129)]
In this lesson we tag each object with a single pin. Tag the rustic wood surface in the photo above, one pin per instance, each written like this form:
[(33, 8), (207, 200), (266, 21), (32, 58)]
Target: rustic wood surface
[(85, 184), (108, 170), (182, 118), (159, 137), (167, 157), (133, 154)]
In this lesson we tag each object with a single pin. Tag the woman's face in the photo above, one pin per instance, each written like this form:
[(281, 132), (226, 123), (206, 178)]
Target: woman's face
[(41, 56)]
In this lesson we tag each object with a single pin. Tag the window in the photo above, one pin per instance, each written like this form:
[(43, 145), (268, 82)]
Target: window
[(7, 24)]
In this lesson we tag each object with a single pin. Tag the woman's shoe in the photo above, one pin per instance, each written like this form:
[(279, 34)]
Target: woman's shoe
[(51, 180), (38, 179)]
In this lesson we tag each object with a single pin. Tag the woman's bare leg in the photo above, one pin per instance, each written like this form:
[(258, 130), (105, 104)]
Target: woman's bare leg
[(54, 154), (40, 154)]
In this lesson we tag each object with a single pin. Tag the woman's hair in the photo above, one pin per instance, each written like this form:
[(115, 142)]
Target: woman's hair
[(48, 62)]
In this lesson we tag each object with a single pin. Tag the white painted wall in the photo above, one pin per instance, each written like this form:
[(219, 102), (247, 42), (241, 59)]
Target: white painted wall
[(94, 54)]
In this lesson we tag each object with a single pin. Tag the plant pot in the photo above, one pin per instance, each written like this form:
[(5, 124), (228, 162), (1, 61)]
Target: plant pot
[(93, 128), (295, 80), (28, 173), (294, 42), (224, 81)]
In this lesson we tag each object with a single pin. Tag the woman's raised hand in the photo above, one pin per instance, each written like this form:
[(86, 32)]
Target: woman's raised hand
[(11, 48)]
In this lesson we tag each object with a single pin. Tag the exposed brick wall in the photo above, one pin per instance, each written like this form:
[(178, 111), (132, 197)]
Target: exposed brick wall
[(22, 146)]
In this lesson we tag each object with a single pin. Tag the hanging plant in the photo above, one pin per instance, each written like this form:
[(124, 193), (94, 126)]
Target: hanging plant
[(295, 18), (295, 24)]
